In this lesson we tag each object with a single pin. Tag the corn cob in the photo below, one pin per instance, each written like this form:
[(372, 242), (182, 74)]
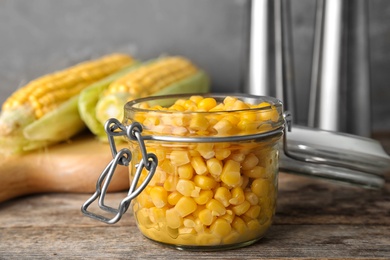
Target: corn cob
[(33, 107), (166, 75)]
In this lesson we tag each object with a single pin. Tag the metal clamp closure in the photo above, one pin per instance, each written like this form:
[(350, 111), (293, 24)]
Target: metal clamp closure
[(149, 161)]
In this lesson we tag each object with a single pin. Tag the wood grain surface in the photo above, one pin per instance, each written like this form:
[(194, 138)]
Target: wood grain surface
[(314, 219)]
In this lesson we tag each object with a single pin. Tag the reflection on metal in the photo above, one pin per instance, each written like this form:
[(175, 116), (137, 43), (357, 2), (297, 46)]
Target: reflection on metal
[(340, 87), (270, 54)]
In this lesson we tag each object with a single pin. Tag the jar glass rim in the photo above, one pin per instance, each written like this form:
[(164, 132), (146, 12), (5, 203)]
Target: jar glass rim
[(252, 99)]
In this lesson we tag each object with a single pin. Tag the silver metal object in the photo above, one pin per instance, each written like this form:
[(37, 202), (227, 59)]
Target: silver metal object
[(328, 83), (271, 70), (149, 161)]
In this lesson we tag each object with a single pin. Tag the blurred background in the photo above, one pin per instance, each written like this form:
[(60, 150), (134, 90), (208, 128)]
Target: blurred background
[(41, 36)]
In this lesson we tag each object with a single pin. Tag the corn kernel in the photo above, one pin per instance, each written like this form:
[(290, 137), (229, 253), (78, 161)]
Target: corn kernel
[(185, 206), (223, 126), (178, 157), (143, 217), (231, 173), (199, 165), (159, 196), (229, 216), (205, 182), (253, 212), (157, 215), (170, 183), (144, 200), (241, 208), (238, 196), (216, 207), (174, 197), (261, 187), (206, 104), (167, 167), (174, 220), (221, 154), (222, 194), (185, 187), (206, 217), (220, 227), (199, 122), (249, 162), (206, 150), (185, 171), (206, 239), (255, 173), (214, 167), (189, 222), (239, 225), (204, 197), (251, 198)]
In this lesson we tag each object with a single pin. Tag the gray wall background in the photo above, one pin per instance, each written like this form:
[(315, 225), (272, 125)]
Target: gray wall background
[(41, 36)]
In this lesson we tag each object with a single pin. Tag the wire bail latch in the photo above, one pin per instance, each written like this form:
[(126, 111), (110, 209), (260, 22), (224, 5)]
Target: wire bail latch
[(149, 161)]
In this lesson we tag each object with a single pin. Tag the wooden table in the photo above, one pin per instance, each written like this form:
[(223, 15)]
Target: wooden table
[(314, 219)]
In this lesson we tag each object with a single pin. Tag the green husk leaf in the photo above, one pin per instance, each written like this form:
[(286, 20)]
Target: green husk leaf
[(91, 95)]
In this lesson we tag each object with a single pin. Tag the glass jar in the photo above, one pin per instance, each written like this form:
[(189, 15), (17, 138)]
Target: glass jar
[(215, 185)]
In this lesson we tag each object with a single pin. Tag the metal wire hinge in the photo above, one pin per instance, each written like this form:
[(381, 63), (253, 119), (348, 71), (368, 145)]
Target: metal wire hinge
[(149, 162)]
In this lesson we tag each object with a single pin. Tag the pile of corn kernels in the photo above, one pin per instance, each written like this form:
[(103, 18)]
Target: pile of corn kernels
[(208, 194)]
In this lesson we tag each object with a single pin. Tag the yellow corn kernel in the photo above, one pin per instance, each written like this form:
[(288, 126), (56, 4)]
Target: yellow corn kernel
[(241, 208), (157, 215), (187, 231), (174, 220), (185, 187), (261, 187), (238, 196), (178, 157), (237, 156), (205, 182), (174, 197), (253, 212), (206, 217), (216, 207), (214, 166), (232, 238), (206, 104), (239, 225), (229, 100), (221, 154), (189, 222), (222, 194), (229, 216), (223, 127), (206, 150), (196, 99), (204, 197), (167, 167), (254, 225), (185, 171), (199, 122), (185, 206), (206, 239), (231, 173), (221, 227), (250, 161), (144, 200), (251, 198), (159, 196), (170, 183), (199, 165), (143, 217), (255, 173), (244, 181)]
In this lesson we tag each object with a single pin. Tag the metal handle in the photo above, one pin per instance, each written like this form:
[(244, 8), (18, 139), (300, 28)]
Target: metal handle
[(149, 161)]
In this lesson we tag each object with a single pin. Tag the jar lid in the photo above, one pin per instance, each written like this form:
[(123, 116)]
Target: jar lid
[(335, 156)]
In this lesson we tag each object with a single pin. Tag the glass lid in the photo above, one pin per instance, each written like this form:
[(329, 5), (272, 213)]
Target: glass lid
[(334, 156)]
